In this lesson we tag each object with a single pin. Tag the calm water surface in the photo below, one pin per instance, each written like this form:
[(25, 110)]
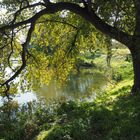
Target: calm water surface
[(79, 86)]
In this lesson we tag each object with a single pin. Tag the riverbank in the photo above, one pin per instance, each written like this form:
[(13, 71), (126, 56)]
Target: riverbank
[(114, 114)]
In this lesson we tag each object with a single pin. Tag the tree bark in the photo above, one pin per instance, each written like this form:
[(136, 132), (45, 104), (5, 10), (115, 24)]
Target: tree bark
[(135, 50), (136, 66)]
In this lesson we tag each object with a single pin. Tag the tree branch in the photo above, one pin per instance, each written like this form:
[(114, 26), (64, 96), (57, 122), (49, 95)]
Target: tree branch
[(23, 56), (52, 8), (90, 16), (57, 21), (18, 12), (25, 22)]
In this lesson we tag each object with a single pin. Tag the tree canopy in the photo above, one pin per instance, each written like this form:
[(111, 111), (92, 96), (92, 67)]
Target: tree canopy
[(42, 38)]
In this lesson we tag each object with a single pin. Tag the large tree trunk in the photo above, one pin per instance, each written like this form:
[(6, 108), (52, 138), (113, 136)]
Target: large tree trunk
[(136, 66), (135, 50)]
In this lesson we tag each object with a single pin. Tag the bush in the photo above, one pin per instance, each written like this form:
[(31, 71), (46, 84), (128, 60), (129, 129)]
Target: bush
[(117, 76), (25, 121)]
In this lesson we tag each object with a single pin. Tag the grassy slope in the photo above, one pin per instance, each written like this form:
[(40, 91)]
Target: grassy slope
[(113, 116)]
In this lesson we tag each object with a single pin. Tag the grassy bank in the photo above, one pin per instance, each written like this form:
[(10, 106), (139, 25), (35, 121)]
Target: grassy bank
[(114, 116)]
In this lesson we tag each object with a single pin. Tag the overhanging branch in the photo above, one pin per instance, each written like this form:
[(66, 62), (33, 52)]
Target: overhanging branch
[(18, 12), (23, 56), (52, 8), (90, 16)]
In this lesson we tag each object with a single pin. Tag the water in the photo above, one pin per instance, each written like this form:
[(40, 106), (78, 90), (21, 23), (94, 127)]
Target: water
[(79, 86)]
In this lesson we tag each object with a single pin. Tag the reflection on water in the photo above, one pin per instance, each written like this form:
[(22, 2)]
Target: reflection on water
[(80, 85), (21, 98), (25, 97)]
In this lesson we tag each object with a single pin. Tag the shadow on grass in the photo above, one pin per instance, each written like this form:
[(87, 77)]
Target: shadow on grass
[(88, 121)]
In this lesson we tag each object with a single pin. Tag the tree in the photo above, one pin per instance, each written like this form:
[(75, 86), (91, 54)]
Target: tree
[(117, 19), (109, 51)]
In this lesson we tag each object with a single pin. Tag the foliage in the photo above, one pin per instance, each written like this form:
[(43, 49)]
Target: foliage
[(50, 42), (57, 56), (74, 119), (18, 122), (114, 116), (50, 52), (107, 120)]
